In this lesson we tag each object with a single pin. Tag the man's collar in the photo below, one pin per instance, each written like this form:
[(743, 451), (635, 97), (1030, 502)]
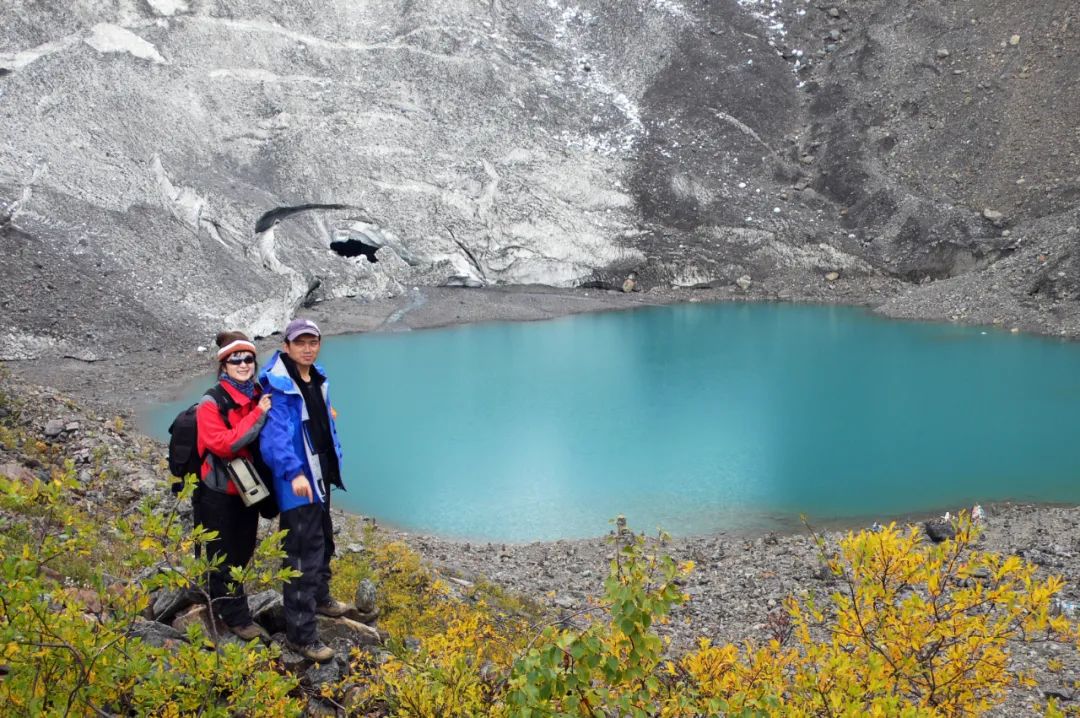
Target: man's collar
[(294, 371)]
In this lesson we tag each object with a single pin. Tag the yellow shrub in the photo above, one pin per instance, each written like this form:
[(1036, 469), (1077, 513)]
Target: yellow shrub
[(915, 629), (449, 655)]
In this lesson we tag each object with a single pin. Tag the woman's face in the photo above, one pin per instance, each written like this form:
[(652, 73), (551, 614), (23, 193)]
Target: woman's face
[(240, 366)]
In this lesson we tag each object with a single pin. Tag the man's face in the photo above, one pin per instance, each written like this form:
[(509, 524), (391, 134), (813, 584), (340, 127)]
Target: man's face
[(303, 350)]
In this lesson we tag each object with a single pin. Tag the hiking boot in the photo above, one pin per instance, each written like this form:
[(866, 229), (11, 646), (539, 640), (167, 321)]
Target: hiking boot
[(332, 608), (316, 651), (250, 631)]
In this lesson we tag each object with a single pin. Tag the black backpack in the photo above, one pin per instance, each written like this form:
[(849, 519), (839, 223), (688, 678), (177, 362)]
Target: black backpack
[(184, 457)]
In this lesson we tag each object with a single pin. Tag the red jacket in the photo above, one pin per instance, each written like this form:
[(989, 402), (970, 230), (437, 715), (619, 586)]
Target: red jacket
[(246, 420)]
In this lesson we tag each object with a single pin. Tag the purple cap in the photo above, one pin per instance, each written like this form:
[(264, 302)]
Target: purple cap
[(301, 326)]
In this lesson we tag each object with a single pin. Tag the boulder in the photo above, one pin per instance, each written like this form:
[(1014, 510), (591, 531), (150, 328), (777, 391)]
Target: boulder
[(744, 282), (268, 610), (344, 634), (17, 472), (200, 614), (938, 530), (993, 216), (319, 674), (156, 634), (365, 596), (367, 617), (169, 603)]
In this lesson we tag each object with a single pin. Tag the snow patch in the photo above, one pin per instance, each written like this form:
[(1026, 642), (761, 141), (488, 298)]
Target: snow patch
[(168, 7), (106, 37), (17, 60)]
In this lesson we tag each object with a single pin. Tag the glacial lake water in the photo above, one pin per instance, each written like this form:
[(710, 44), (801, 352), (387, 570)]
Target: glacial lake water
[(695, 418)]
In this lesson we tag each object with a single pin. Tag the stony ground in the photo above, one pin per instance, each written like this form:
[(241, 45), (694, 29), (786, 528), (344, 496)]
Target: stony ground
[(739, 580)]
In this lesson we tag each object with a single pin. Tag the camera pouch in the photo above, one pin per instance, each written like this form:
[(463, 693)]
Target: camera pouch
[(247, 481)]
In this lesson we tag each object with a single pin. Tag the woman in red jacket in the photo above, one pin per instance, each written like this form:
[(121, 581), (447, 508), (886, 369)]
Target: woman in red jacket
[(224, 436)]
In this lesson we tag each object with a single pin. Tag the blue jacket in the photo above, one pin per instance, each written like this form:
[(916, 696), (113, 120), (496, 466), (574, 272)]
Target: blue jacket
[(284, 440)]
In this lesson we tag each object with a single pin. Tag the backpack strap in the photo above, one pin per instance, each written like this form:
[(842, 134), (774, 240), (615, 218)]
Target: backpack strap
[(223, 400), (224, 404)]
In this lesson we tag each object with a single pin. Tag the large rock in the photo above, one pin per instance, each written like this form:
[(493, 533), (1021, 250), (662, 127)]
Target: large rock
[(365, 596), (157, 634), (168, 603), (200, 615), (268, 610), (344, 634), (938, 530), (17, 472), (319, 674)]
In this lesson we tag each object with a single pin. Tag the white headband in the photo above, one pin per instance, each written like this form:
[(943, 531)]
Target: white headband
[(235, 346)]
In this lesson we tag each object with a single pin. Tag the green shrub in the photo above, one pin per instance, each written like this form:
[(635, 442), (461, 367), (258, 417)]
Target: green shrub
[(73, 650)]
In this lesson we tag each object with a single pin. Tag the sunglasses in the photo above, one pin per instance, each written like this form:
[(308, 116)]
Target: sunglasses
[(237, 361)]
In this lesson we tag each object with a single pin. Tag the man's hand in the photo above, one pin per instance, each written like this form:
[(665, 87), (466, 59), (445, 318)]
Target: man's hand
[(302, 488)]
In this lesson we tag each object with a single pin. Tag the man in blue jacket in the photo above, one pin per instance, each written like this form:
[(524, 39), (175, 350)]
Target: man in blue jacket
[(300, 446)]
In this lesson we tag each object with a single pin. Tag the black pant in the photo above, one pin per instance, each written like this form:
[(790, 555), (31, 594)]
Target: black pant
[(309, 546), (237, 526)]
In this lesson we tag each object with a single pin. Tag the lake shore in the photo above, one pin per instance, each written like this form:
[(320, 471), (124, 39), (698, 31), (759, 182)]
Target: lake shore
[(131, 379), (740, 579)]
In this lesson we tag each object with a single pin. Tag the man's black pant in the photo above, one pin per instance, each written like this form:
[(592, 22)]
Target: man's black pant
[(237, 526), (309, 546)]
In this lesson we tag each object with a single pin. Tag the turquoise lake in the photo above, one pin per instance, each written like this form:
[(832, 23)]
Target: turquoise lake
[(695, 418)]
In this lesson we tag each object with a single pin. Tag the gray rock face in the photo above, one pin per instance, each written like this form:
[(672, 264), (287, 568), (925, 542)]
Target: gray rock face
[(447, 136), (176, 166)]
